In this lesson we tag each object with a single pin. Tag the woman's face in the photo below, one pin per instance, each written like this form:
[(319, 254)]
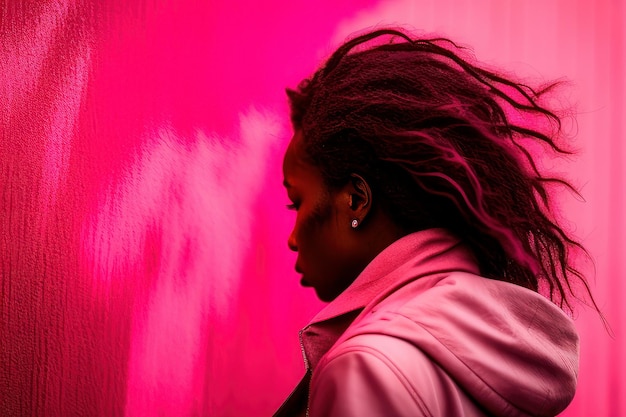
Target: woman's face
[(322, 235)]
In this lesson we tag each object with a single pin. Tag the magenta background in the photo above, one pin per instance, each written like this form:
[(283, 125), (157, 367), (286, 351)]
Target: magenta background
[(144, 267)]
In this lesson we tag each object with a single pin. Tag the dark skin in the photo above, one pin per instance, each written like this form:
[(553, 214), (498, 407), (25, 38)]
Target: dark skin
[(331, 253)]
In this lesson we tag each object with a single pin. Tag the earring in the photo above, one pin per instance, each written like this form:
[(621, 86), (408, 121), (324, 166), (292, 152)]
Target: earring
[(355, 223)]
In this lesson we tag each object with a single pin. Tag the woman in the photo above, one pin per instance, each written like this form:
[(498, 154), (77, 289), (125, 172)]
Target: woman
[(424, 222)]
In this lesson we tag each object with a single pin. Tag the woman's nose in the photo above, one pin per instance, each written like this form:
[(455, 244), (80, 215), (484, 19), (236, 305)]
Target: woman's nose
[(291, 242)]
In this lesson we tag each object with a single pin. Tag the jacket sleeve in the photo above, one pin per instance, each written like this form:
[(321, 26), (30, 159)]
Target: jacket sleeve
[(365, 382)]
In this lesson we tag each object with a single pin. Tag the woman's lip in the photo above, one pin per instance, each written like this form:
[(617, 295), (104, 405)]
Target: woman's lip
[(303, 281)]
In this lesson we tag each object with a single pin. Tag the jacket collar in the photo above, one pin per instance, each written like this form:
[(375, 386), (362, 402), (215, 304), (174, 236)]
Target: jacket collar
[(409, 258), (423, 253)]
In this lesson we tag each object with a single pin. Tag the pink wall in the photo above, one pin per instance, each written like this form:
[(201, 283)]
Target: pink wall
[(144, 266)]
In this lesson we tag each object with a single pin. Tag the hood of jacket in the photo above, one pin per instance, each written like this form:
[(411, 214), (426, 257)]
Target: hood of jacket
[(512, 350)]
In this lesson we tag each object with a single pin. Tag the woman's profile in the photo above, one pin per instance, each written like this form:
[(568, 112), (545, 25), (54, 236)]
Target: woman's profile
[(425, 223)]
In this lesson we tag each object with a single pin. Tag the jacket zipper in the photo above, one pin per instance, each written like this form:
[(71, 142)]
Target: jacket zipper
[(306, 367)]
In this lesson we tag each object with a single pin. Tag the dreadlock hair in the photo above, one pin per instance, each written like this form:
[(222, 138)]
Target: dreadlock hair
[(443, 143)]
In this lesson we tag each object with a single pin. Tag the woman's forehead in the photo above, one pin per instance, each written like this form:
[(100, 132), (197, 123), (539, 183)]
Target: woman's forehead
[(296, 166), (294, 155)]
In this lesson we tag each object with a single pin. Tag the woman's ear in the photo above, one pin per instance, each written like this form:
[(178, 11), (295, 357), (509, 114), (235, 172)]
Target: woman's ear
[(360, 197)]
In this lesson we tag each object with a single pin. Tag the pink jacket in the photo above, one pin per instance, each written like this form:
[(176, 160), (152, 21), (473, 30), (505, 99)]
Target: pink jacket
[(419, 333)]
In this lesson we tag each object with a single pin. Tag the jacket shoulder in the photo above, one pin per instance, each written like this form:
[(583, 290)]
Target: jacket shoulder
[(376, 375)]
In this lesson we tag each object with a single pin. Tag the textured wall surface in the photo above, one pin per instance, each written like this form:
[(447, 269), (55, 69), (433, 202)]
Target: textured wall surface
[(144, 268)]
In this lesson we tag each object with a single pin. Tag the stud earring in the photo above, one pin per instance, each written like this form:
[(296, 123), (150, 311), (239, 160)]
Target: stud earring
[(355, 223)]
